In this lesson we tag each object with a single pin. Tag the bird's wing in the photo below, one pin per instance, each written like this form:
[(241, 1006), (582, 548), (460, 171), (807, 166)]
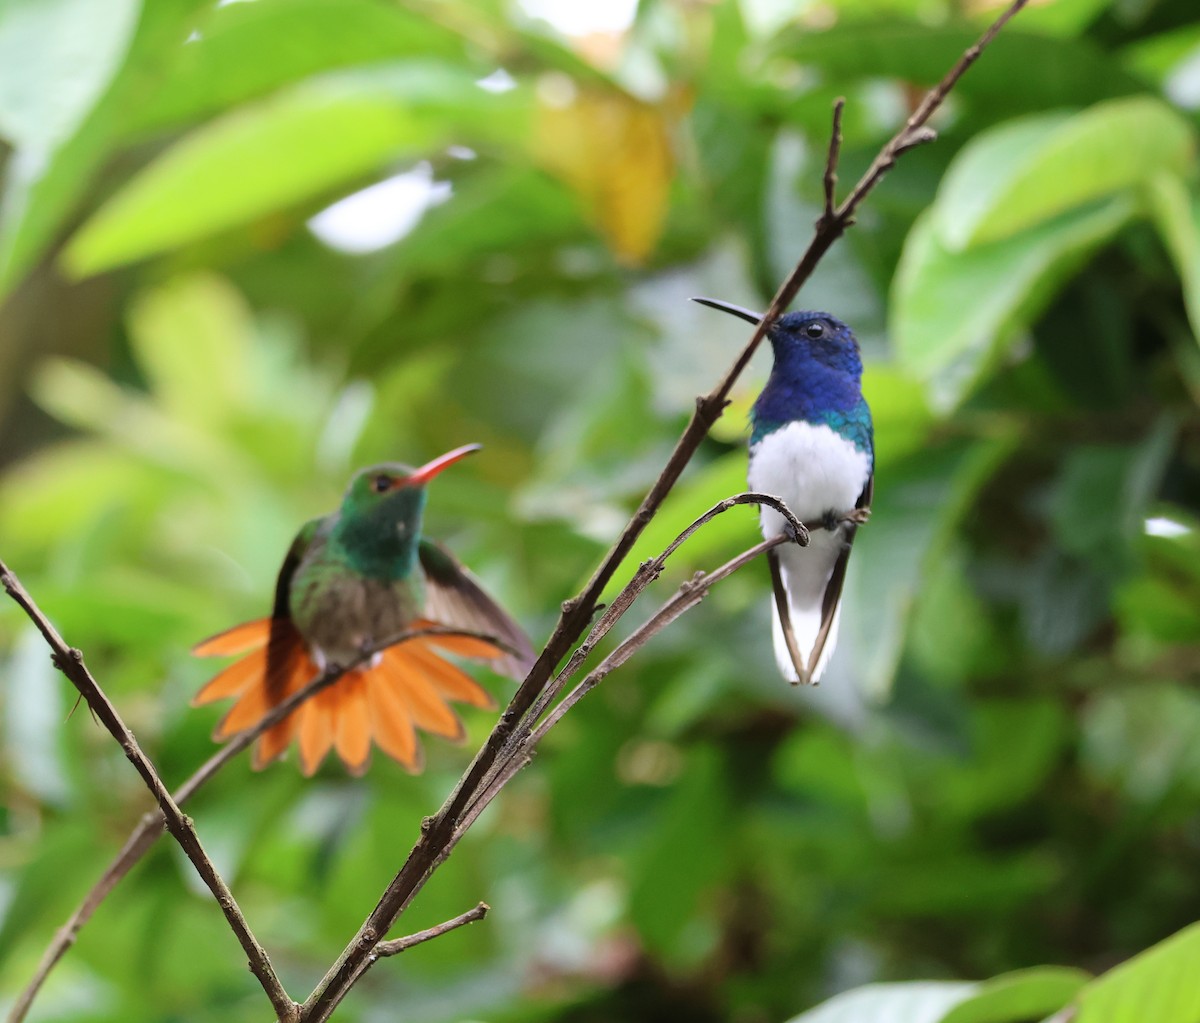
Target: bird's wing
[(837, 578), (284, 635), (454, 598), (277, 664)]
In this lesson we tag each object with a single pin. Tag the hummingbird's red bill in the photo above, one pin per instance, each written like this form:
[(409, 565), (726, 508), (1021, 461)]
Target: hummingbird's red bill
[(427, 472)]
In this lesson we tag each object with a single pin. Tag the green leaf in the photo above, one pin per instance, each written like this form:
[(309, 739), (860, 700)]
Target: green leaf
[(1156, 58), (1034, 169), (56, 58), (665, 898), (698, 492), (1099, 504), (910, 1002), (80, 395), (1019, 996), (900, 412), (920, 503), (257, 160), (1141, 741), (34, 705), (237, 55), (1061, 18), (1159, 985), (43, 181), (954, 312), (194, 331), (1021, 72), (1176, 213), (273, 154)]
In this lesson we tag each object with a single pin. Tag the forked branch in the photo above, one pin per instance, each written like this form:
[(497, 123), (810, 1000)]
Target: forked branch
[(577, 613), (70, 662), (528, 716)]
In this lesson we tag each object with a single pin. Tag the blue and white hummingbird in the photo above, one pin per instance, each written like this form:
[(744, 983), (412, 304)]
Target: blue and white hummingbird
[(811, 444)]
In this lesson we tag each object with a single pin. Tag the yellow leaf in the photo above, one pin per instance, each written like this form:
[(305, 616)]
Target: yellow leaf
[(615, 152)]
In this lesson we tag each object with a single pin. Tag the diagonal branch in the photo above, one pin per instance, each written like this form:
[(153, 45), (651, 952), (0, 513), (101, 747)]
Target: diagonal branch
[(689, 594), (647, 572), (70, 662), (577, 613), (151, 826), (392, 948)]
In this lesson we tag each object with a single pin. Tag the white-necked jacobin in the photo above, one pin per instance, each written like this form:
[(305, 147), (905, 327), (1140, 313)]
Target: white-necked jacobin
[(812, 445)]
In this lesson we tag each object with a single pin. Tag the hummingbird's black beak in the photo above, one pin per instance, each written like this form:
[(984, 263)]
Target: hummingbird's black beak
[(728, 307)]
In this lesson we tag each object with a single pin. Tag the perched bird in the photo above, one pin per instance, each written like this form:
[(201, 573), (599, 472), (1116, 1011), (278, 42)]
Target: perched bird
[(811, 444), (351, 581)]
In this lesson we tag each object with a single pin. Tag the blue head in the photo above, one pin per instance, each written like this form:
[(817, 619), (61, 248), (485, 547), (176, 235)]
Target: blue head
[(816, 377)]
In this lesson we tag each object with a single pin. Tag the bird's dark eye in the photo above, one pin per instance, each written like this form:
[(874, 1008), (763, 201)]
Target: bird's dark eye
[(814, 330), (381, 484)]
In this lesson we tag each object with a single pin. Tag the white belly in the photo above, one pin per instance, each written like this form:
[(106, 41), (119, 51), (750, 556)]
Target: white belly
[(812, 468)]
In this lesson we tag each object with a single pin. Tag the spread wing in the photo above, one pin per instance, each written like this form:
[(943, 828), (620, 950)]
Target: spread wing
[(454, 598)]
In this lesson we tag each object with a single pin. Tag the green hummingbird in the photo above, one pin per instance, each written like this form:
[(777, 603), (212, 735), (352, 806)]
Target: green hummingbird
[(350, 581)]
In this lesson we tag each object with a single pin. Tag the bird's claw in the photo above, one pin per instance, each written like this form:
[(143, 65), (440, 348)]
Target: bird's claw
[(796, 532), (858, 516)]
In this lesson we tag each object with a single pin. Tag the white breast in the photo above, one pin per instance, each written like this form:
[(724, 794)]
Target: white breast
[(812, 468)]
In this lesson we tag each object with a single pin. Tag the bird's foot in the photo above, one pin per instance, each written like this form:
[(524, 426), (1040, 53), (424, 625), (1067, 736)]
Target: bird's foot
[(858, 516), (795, 534)]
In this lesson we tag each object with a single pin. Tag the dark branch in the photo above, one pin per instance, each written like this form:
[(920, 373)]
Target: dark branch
[(70, 662), (648, 572), (577, 613), (151, 826), (392, 948), (831, 160)]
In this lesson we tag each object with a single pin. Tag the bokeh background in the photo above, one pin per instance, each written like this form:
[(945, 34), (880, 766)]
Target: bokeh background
[(248, 247)]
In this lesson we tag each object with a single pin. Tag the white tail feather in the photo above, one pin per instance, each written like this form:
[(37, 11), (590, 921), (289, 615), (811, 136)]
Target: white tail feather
[(805, 573), (806, 623)]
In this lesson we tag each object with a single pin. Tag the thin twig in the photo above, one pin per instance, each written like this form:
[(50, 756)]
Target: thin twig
[(647, 572), (831, 159), (577, 613), (689, 594), (70, 662), (408, 882), (395, 947), (151, 826)]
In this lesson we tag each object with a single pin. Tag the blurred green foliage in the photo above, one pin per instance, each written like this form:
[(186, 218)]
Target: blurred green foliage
[(1000, 771)]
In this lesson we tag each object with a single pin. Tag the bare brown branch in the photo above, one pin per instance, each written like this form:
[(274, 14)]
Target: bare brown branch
[(152, 825), (647, 572), (517, 733), (689, 594), (395, 947), (831, 160), (577, 613), (70, 662)]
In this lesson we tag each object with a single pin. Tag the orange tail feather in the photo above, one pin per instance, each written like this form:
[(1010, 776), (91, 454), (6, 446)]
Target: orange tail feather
[(464, 646), (352, 733), (391, 721), (234, 679), (294, 672), (450, 681), (238, 640), (407, 688), (316, 729), (419, 690)]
